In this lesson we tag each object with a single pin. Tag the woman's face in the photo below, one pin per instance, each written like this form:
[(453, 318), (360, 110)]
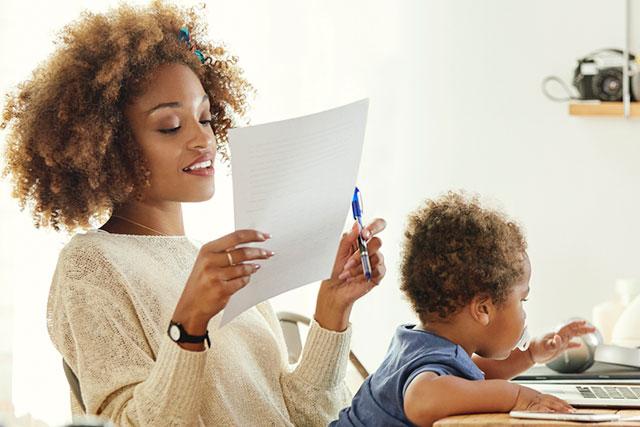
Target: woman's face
[(171, 122)]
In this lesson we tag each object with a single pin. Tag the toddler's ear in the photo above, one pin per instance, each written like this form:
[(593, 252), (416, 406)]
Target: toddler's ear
[(481, 308)]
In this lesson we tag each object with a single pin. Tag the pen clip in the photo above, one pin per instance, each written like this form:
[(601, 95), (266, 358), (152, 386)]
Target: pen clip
[(356, 204)]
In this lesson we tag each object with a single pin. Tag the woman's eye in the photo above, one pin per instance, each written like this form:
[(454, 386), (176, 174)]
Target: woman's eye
[(206, 122), (171, 130), (525, 299)]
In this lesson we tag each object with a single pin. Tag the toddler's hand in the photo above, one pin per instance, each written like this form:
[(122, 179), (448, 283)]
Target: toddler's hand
[(532, 400), (552, 344)]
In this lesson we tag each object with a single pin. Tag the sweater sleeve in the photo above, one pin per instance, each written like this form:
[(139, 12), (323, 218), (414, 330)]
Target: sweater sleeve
[(93, 324), (315, 389)]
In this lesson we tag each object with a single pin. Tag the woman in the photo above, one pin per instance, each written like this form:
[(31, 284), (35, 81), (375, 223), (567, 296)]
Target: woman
[(122, 123)]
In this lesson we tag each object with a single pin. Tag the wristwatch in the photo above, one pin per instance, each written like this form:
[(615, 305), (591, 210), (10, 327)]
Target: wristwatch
[(178, 334)]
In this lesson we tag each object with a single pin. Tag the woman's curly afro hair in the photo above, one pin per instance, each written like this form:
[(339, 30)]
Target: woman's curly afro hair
[(70, 152), (454, 249)]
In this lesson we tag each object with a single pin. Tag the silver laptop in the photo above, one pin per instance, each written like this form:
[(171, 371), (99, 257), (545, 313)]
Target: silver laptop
[(603, 385), (593, 395)]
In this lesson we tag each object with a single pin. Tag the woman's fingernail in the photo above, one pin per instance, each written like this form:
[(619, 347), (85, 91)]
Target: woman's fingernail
[(256, 266), (366, 234), (344, 275), (349, 264), (266, 236)]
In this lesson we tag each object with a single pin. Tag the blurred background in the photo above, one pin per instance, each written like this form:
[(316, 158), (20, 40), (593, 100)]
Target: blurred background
[(455, 103)]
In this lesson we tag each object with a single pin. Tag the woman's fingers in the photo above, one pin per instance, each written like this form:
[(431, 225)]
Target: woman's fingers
[(372, 247), (240, 255), (234, 239), (345, 249), (219, 254), (379, 273), (356, 269), (220, 270), (348, 248), (374, 227), (378, 269), (239, 270)]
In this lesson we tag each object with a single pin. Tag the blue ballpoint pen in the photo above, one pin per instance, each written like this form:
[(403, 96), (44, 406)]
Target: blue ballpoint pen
[(356, 207)]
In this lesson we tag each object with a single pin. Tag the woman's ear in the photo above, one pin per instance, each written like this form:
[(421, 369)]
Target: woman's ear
[(481, 309)]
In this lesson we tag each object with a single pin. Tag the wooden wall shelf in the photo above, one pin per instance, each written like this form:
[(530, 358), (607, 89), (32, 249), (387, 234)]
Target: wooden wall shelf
[(603, 109)]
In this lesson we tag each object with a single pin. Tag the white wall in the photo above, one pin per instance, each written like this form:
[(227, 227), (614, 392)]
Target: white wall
[(455, 103)]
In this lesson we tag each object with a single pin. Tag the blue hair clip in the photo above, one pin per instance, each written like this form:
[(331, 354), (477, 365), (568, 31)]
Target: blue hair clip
[(184, 36)]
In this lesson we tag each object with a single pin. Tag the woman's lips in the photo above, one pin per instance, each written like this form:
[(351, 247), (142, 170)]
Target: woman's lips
[(201, 172)]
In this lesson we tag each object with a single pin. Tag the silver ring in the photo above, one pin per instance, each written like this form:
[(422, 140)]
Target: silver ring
[(230, 259)]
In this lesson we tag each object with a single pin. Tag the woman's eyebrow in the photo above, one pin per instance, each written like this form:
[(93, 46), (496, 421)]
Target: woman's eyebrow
[(174, 104)]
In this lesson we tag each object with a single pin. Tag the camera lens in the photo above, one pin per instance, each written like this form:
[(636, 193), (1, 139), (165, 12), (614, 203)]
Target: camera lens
[(607, 84), (611, 86)]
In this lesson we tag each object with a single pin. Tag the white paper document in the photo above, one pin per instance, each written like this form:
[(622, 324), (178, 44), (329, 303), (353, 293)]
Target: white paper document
[(295, 179)]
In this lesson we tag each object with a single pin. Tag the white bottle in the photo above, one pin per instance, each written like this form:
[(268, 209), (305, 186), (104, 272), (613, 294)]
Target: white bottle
[(606, 314), (626, 331)]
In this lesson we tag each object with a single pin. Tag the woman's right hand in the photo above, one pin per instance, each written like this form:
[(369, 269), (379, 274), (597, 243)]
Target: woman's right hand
[(532, 400), (214, 279)]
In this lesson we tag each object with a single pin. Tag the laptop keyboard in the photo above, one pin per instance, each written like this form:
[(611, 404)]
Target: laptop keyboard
[(595, 392)]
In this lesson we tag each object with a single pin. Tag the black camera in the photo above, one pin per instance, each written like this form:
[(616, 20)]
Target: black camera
[(599, 75)]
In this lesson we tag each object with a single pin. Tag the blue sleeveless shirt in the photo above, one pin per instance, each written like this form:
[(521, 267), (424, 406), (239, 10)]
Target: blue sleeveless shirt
[(380, 400)]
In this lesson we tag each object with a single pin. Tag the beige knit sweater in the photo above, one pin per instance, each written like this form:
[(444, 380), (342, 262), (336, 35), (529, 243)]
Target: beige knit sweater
[(110, 303)]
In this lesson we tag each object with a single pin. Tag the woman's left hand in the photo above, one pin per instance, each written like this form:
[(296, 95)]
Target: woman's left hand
[(347, 282), (553, 344)]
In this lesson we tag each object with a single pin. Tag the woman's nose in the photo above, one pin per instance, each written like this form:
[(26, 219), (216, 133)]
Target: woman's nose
[(202, 137)]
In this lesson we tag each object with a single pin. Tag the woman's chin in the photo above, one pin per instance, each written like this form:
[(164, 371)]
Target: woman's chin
[(201, 196), (207, 196)]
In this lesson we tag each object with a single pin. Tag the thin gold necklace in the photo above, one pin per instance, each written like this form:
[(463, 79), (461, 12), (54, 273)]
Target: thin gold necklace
[(138, 224)]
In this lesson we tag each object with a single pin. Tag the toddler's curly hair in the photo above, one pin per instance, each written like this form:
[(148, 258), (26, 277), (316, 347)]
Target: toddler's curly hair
[(454, 249), (70, 151)]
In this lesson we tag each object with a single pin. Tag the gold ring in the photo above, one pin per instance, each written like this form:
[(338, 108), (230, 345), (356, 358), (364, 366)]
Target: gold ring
[(230, 259)]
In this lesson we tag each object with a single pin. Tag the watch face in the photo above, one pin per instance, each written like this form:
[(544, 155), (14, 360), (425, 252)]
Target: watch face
[(174, 332)]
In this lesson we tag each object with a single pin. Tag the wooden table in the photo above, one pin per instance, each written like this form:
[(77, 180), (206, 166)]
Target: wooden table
[(495, 420)]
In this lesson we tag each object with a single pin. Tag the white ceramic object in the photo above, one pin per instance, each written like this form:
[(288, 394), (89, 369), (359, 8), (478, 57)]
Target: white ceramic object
[(626, 331), (605, 315)]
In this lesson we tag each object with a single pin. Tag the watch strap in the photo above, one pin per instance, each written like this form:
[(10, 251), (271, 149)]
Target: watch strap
[(186, 337)]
